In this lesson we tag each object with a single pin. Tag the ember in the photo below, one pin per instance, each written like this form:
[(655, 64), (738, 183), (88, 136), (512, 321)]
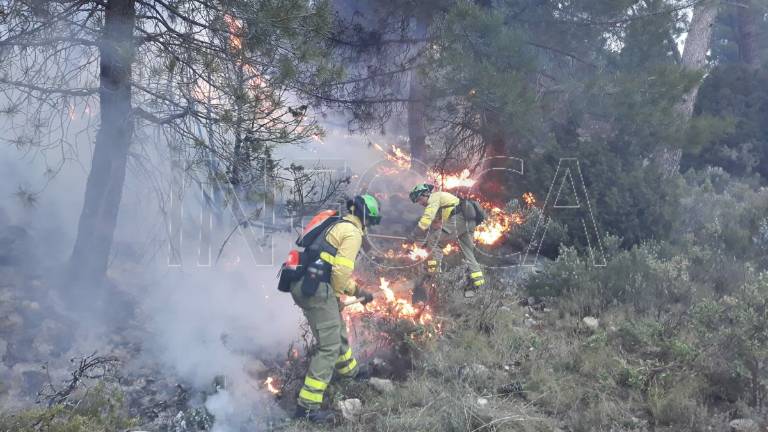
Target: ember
[(450, 248), (529, 199)]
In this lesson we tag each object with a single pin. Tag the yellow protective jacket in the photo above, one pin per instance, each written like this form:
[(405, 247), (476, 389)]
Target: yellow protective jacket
[(438, 201), (347, 238)]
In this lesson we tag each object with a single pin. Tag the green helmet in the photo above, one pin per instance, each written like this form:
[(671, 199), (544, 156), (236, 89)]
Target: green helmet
[(419, 190), (366, 208)]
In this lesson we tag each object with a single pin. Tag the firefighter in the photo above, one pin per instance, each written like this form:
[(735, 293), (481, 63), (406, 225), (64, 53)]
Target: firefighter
[(454, 216), (337, 249)]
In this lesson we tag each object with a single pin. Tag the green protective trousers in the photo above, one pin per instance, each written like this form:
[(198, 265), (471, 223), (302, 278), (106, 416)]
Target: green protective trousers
[(462, 226), (323, 313)]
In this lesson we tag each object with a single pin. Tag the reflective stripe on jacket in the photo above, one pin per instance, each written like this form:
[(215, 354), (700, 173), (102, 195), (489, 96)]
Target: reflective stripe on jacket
[(347, 238), (437, 201)]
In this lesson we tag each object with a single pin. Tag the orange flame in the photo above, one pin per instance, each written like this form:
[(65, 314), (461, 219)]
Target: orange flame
[(452, 181), (235, 30), (415, 252), (495, 226), (391, 306), (269, 383), (397, 156), (529, 199), (450, 248)]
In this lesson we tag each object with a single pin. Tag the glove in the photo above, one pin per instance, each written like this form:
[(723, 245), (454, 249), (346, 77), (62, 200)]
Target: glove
[(365, 295), (417, 236)]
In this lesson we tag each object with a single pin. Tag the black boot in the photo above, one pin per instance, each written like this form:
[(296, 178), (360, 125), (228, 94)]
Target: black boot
[(363, 373), (420, 293), (315, 416)]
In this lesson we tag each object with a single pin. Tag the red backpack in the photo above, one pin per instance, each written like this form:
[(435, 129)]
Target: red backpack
[(295, 265)]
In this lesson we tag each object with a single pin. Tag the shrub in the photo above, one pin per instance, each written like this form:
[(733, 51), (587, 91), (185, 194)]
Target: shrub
[(99, 409), (735, 331), (641, 278)]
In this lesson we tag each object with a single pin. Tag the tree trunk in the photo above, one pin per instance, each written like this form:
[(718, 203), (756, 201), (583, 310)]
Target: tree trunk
[(694, 57), (746, 34), (495, 146), (104, 187), (417, 128), (417, 122), (696, 47), (493, 135)]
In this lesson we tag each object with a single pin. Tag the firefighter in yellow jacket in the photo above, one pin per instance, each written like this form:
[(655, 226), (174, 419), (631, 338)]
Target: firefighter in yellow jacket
[(336, 249), (454, 216)]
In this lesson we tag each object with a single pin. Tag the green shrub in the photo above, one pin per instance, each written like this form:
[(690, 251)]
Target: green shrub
[(735, 332), (641, 278), (99, 409), (679, 405)]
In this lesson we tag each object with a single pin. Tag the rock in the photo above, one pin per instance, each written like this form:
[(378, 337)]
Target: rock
[(382, 385), (592, 323), (482, 402), (530, 323), (743, 425), (255, 368), (350, 408)]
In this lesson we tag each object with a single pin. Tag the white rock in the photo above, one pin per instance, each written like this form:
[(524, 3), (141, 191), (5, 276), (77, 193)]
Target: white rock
[(482, 402), (530, 323), (382, 385), (743, 425), (350, 408), (592, 323)]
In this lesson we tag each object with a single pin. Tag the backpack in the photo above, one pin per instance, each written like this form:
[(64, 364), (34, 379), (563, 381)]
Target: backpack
[(319, 223), (468, 204), (295, 267)]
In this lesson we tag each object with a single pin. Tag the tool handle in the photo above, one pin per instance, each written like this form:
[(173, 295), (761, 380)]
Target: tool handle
[(351, 301), (392, 237)]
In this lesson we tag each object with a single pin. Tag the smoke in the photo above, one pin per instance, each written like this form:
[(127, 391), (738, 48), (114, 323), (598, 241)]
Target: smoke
[(198, 322)]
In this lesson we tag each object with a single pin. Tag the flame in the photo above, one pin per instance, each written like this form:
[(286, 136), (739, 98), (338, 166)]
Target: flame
[(402, 161), (495, 226), (415, 252), (452, 181), (529, 199), (397, 156), (390, 306), (269, 383), (235, 27), (450, 248)]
